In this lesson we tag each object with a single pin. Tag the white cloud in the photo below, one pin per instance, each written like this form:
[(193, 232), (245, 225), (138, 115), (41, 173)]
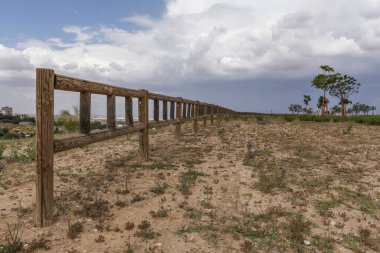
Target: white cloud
[(140, 20), (213, 40), (82, 34)]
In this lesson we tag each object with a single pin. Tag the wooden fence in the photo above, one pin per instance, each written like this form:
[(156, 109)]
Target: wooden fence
[(47, 81)]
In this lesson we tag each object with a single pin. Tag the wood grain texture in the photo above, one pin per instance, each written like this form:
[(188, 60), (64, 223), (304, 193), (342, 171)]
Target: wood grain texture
[(45, 146), (76, 141), (128, 111), (85, 113), (111, 112), (74, 84)]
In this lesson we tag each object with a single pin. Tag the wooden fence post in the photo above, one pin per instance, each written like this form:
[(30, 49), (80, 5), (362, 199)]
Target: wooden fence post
[(111, 112), (212, 114), (156, 110), (218, 116), (45, 147), (178, 117), (165, 110), (128, 111), (85, 112), (144, 133), (172, 106), (183, 110), (205, 115), (195, 115)]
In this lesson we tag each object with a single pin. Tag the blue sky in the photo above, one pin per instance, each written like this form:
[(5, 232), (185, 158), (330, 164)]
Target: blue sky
[(43, 19), (249, 55)]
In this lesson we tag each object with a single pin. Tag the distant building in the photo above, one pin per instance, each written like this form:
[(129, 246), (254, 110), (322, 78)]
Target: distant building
[(6, 110)]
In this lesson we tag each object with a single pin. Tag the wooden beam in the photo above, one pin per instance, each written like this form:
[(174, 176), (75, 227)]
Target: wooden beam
[(77, 141), (45, 147), (111, 112), (165, 110), (85, 112), (144, 133), (78, 85), (128, 111), (156, 116)]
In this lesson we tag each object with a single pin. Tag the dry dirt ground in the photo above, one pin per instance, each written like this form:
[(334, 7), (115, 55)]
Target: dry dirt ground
[(246, 186)]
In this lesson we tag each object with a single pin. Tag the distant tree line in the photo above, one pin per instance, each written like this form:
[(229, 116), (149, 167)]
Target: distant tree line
[(15, 119), (337, 85)]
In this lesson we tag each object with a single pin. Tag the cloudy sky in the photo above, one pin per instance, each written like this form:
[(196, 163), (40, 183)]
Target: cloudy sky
[(249, 55)]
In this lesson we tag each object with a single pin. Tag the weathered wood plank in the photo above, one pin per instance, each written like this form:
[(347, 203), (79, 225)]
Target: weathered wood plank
[(74, 84), (144, 133), (111, 112), (85, 112), (162, 97), (76, 141), (128, 111), (45, 147)]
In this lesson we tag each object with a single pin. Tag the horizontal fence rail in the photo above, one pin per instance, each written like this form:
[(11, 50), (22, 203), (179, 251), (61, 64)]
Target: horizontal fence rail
[(175, 111)]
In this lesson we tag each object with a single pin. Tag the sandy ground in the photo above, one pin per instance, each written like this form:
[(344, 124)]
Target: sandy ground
[(246, 186)]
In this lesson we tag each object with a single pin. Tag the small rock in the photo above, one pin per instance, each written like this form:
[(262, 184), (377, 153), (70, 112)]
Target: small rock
[(306, 242)]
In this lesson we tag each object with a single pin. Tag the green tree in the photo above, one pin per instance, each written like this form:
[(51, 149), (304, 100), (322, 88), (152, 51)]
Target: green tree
[(292, 108), (373, 109), (306, 101), (323, 82), (343, 87), (335, 110)]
